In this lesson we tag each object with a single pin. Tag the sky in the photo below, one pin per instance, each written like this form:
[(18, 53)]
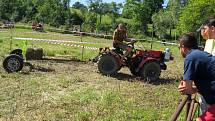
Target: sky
[(107, 1)]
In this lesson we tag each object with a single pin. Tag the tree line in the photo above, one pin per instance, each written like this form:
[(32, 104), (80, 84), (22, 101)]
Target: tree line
[(141, 17)]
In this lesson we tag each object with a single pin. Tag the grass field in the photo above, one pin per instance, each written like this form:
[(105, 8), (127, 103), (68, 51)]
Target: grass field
[(75, 91)]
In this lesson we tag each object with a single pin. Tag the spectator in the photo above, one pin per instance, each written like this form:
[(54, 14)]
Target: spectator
[(208, 33), (199, 68)]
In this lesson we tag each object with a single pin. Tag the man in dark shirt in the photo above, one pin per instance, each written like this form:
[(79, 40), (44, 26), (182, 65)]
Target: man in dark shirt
[(199, 67)]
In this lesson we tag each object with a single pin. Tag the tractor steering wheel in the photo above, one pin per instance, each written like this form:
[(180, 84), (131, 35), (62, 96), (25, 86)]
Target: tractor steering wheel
[(131, 43)]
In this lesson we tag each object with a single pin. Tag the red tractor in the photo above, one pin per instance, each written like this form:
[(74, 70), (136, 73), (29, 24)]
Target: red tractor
[(144, 63)]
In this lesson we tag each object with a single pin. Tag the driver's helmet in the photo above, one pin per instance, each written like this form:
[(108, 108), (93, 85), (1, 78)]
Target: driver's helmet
[(167, 50)]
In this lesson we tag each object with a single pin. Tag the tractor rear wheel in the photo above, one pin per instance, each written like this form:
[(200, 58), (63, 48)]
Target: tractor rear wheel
[(107, 64), (150, 71)]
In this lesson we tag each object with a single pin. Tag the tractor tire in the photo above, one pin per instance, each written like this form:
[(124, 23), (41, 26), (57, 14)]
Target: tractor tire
[(108, 65), (150, 71), (13, 63), (134, 66), (134, 72)]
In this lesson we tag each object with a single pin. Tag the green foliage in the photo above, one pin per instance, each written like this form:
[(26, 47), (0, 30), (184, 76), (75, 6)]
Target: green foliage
[(167, 19), (141, 12), (100, 9), (53, 12), (163, 21), (79, 6), (90, 22), (193, 15), (12, 10), (76, 17)]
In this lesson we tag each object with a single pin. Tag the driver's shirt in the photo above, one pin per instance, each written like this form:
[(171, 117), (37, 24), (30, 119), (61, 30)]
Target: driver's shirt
[(119, 36)]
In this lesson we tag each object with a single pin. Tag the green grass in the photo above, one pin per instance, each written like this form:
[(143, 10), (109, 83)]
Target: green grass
[(76, 91)]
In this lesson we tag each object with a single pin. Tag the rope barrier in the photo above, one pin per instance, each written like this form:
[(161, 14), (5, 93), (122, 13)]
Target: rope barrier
[(56, 42), (96, 34), (87, 33)]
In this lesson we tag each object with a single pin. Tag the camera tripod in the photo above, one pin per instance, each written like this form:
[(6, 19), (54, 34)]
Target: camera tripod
[(192, 105)]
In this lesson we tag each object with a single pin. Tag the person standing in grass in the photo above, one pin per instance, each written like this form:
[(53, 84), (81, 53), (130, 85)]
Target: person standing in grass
[(199, 68), (208, 33), (119, 36)]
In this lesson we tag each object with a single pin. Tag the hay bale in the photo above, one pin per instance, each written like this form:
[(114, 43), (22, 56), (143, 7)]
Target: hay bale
[(34, 53), (29, 54), (38, 52)]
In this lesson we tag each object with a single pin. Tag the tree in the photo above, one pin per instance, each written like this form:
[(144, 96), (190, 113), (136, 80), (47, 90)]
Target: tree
[(193, 15), (78, 5), (90, 21), (11, 10), (167, 19), (31, 11), (141, 11), (96, 6), (76, 19), (53, 12), (162, 21), (114, 11)]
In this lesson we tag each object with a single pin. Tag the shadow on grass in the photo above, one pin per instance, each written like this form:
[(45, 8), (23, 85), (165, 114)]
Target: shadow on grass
[(125, 77), (62, 60), (131, 78), (163, 81)]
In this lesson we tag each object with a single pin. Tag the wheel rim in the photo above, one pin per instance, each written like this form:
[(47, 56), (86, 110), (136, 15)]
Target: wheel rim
[(13, 64), (151, 74), (152, 71)]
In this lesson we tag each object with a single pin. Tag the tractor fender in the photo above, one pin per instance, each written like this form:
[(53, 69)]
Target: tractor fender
[(145, 61), (118, 58)]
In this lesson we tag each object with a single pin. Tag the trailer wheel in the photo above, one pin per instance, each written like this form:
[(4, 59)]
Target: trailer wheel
[(13, 63), (17, 52), (150, 71)]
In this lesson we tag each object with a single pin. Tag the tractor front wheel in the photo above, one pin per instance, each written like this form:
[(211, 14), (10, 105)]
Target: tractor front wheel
[(150, 71), (108, 65)]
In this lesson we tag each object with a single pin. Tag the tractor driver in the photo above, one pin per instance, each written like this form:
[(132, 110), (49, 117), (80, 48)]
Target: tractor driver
[(119, 36)]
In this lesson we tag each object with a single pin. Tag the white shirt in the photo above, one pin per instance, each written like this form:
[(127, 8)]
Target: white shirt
[(209, 46)]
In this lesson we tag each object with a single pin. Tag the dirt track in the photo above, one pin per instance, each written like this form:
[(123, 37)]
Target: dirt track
[(88, 71)]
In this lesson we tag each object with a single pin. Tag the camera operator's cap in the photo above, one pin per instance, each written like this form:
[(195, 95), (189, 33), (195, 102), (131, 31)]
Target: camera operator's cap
[(199, 29)]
